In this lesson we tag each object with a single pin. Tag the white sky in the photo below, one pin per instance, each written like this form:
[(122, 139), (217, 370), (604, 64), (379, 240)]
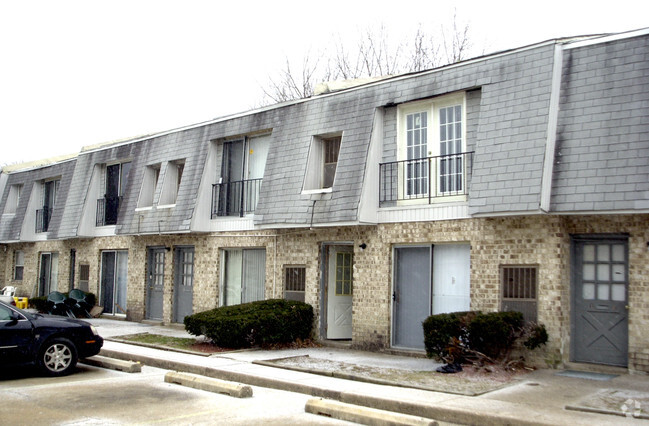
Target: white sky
[(76, 73)]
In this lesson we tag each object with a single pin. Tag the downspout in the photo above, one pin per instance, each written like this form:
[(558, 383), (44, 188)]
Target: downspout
[(551, 137), (312, 211)]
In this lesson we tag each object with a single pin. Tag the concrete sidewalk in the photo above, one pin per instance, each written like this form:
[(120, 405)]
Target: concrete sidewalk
[(544, 397)]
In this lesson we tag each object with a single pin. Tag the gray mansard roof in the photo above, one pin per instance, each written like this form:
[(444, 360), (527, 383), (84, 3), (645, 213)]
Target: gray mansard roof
[(11, 225), (600, 160), (602, 157)]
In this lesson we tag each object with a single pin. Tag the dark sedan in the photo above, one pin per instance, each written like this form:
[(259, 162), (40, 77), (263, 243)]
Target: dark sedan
[(53, 344)]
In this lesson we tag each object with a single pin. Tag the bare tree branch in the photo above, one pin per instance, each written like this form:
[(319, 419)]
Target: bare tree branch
[(374, 55)]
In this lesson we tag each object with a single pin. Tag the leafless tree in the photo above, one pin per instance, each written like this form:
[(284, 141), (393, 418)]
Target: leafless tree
[(374, 55)]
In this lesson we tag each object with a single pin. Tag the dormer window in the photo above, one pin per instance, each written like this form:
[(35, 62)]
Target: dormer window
[(13, 199), (171, 185), (116, 180), (432, 162), (43, 216), (149, 184), (322, 163), (242, 170)]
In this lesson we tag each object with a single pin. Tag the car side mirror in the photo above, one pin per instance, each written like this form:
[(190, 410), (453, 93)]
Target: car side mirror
[(13, 318)]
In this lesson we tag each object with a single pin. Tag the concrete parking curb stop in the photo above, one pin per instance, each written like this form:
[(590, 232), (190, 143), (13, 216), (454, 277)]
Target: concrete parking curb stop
[(208, 384), (364, 415), (455, 409), (540, 399), (113, 363)]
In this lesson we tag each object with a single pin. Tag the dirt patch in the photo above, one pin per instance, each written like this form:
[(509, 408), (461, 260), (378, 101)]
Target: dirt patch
[(469, 381)]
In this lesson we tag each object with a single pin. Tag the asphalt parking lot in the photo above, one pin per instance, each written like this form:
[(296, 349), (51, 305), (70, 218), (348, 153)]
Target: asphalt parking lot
[(98, 396)]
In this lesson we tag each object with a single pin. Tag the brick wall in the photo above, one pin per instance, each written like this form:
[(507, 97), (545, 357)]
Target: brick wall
[(540, 240)]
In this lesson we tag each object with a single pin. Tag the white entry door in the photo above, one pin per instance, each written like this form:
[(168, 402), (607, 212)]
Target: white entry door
[(339, 292)]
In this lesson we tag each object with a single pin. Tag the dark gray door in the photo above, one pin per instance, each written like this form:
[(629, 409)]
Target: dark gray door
[(183, 283), (155, 283), (45, 274), (108, 281), (411, 295), (114, 279), (600, 285)]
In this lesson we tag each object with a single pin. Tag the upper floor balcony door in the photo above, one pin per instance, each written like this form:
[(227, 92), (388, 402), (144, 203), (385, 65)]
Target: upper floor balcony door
[(43, 216), (432, 162), (108, 207), (242, 170)]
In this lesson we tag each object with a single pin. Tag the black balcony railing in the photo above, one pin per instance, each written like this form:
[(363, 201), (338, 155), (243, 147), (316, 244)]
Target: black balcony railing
[(107, 209), (43, 217), (235, 198), (424, 179)]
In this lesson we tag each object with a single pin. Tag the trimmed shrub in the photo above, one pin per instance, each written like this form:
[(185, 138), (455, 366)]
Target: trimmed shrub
[(440, 330), (494, 333), (252, 324), (462, 336)]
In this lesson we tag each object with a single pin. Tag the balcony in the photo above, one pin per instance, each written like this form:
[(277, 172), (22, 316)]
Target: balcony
[(424, 180), (43, 217), (107, 209), (236, 198)]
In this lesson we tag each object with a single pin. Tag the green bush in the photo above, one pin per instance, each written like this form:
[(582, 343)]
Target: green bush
[(440, 330), (494, 333), (460, 336), (38, 303), (252, 324)]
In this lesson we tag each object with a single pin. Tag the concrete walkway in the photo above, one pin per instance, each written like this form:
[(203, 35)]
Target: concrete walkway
[(544, 397)]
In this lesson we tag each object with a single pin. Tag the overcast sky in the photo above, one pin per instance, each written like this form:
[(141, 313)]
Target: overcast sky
[(76, 73)]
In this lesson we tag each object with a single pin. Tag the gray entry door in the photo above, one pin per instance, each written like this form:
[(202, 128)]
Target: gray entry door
[(155, 283), (600, 287), (45, 274), (183, 283), (411, 295), (114, 279)]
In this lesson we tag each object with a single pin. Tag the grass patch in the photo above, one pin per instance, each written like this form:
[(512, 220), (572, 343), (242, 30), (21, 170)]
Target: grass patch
[(184, 343)]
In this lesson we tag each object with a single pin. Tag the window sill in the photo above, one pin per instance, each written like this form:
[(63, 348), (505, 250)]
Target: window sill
[(318, 194), (316, 191), (166, 206)]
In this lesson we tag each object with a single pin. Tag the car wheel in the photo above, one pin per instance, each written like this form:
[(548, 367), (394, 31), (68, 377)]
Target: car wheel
[(57, 357)]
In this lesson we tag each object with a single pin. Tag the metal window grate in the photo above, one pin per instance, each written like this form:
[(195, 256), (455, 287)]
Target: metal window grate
[(84, 276), (294, 282), (519, 287)]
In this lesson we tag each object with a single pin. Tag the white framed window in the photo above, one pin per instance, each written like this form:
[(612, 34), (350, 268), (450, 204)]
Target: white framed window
[(171, 184), (149, 184), (19, 265), (322, 162), (431, 143), (13, 199), (243, 275)]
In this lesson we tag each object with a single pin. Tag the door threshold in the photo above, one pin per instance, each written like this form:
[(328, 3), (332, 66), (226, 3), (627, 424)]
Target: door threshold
[(343, 344), (595, 368)]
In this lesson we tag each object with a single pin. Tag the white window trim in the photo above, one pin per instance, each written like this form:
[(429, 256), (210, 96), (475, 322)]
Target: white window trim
[(432, 107), (16, 264), (314, 175), (13, 199), (170, 184), (149, 184)]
